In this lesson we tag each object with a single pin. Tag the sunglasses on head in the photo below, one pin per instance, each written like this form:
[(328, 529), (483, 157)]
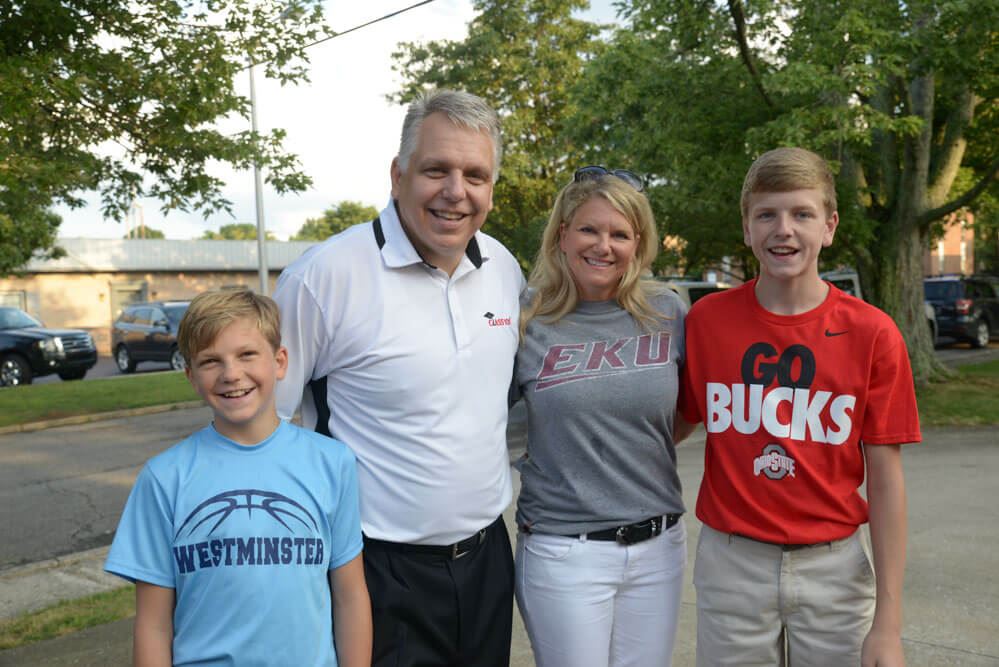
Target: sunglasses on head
[(596, 172)]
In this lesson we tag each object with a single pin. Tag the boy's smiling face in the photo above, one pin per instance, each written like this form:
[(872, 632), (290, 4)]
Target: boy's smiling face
[(786, 231), (235, 375)]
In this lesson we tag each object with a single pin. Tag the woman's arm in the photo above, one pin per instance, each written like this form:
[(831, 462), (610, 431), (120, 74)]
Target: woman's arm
[(153, 634), (351, 614)]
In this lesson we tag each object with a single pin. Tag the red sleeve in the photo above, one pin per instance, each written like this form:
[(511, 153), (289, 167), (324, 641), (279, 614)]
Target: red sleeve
[(891, 416), (686, 402)]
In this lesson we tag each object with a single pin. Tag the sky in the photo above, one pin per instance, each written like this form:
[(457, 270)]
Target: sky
[(340, 124)]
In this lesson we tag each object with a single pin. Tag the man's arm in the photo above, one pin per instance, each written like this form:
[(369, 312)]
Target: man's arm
[(351, 614), (153, 633), (886, 497)]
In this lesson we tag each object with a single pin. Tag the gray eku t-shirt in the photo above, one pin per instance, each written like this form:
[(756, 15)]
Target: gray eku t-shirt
[(601, 399)]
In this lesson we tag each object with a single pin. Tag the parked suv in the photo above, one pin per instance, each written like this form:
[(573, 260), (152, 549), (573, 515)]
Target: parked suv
[(148, 332), (29, 350), (967, 307)]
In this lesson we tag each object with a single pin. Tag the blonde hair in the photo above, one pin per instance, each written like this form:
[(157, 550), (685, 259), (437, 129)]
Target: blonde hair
[(211, 312), (554, 291), (786, 169)]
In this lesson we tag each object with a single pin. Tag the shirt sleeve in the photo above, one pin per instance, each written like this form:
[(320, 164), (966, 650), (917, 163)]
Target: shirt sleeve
[(891, 416), (142, 547), (345, 517), (303, 334)]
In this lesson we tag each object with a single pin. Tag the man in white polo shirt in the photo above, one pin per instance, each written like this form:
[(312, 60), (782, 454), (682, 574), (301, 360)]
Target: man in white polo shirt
[(401, 334)]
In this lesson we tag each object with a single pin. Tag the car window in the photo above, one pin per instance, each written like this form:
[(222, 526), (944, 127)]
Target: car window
[(142, 316), (175, 313), (941, 290), (844, 284), (15, 318), (698, 292), (156, 316)]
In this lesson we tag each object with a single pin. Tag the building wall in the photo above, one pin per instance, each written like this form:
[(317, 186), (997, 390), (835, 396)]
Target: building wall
[(955, 252), (88, 300)]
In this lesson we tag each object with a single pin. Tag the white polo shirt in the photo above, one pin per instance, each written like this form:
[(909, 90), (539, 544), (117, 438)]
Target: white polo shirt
[(418, 364)]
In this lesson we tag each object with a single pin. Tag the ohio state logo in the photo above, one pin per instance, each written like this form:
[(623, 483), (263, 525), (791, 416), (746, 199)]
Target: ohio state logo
[(774, 463)]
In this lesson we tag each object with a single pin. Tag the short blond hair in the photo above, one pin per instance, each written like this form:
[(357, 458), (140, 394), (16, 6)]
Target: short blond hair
[(555, 294), (787, 169), (211, 312)]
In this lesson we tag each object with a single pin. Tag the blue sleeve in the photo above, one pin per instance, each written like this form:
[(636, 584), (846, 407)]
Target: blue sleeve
[(345, 515), (142, 547)]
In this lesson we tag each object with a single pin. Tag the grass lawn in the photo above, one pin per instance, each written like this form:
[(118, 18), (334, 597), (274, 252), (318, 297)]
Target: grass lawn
[(31, 403), (970, 399), (66, 617)]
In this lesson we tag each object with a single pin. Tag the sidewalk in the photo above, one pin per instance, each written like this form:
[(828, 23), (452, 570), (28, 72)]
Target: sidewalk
[(951, 593)]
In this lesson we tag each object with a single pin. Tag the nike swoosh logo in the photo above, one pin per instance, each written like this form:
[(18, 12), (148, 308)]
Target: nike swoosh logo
[(830, 334)]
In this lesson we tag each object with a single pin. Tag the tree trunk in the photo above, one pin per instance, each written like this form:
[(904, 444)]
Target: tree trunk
[(896, 283)]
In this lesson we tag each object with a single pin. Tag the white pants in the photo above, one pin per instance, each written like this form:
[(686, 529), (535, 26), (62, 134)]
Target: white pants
[(758, 605), (590, 603)]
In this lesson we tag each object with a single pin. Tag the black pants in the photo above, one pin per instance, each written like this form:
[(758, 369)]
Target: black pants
[(430, 610)]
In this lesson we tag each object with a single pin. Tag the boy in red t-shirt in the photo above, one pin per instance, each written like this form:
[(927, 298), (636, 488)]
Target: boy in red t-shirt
[(798, 385)]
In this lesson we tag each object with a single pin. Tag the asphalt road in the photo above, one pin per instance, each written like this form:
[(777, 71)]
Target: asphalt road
[(62, 490)]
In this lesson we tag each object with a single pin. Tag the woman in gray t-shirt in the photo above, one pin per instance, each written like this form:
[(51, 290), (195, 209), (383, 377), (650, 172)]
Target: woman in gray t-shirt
[(602, 546)]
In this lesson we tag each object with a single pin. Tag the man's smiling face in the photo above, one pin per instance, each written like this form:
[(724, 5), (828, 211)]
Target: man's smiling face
[(446, 190)]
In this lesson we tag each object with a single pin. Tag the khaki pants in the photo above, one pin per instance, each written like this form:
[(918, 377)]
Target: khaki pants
[(758, 604)]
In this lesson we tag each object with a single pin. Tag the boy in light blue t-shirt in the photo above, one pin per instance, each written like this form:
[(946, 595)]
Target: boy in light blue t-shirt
[(244, 540)]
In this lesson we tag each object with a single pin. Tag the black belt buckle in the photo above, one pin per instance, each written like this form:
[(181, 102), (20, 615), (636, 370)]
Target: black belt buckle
[(466, 546), (639, 532)]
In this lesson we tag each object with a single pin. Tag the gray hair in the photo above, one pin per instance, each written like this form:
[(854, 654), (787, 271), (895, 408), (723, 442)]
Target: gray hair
[(463, 109)]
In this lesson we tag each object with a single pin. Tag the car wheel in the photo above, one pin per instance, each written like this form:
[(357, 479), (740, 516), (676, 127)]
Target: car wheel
[(124, 360), (73, 375), (14, 371), (981, 334), (177, 362)]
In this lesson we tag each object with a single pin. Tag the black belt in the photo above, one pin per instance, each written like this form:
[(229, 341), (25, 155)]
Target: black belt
[(449, 551), (636, 532)]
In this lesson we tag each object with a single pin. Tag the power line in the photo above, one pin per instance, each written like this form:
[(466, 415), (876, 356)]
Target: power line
[(371, 22), (355, 28)]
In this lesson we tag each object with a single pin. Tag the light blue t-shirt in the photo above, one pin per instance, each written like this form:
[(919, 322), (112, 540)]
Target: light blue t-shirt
[(246, 537)]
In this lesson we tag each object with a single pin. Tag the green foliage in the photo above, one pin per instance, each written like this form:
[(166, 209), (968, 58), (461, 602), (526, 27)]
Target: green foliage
[(239, 231), (123, 98), (144, 232), (32, 233), (522, 56), (897, 96), (334, 220)]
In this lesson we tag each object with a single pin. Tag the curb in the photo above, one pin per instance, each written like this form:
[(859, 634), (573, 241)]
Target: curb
[(21, 571), (98, 416)]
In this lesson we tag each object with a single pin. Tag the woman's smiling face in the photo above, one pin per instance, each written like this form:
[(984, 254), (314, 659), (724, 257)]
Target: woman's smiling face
[(599, 244)]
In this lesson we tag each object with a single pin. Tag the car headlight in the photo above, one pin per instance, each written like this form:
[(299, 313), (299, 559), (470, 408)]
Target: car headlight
[(51, 347)]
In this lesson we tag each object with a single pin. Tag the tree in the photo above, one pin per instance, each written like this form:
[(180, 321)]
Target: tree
[(521, 56), (238, 231), (334, 220), (123, 98), (897, 95), (144, 232)]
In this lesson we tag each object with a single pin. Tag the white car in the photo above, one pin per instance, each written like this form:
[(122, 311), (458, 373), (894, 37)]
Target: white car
[(692, 290)]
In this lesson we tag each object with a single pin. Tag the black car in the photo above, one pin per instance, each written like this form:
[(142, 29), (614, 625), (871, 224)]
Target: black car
[(148, 332), (967, 307), (29, 350)]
